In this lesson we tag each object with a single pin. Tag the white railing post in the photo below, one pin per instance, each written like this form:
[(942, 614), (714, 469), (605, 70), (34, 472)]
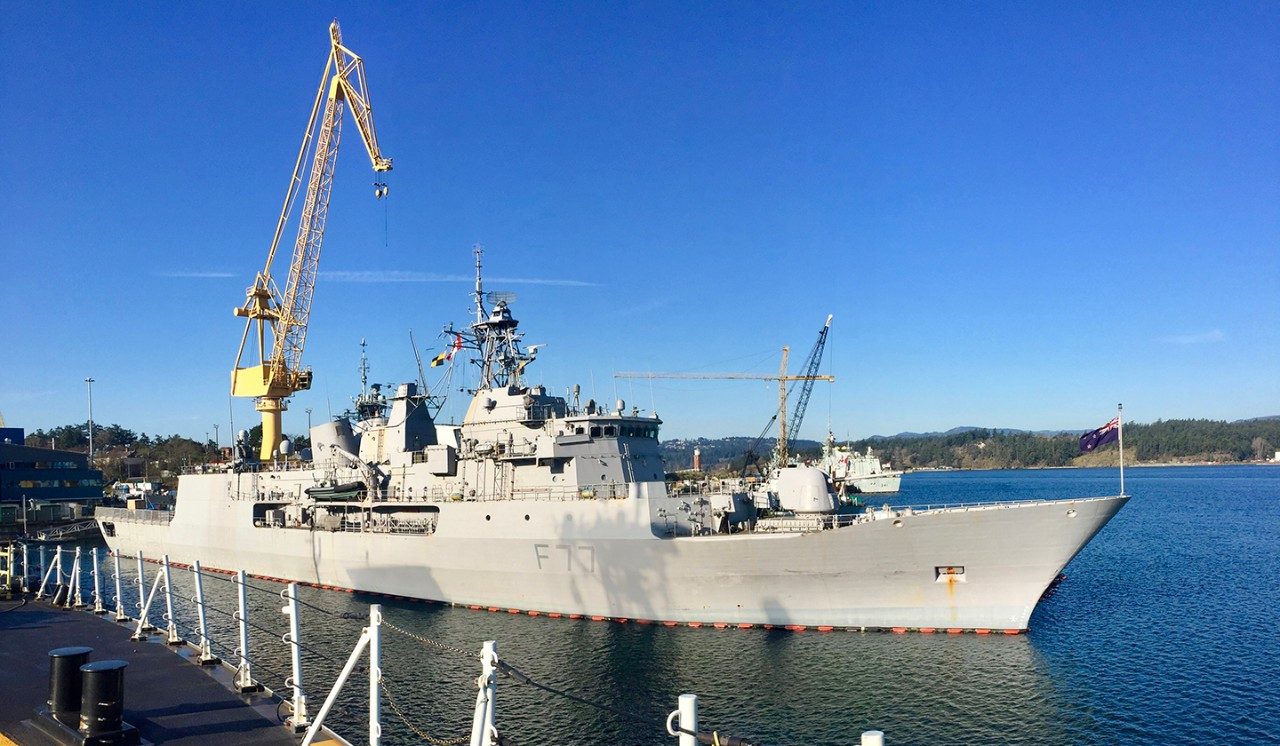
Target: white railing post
[(120, 615), (299, 718), (172, 637), (244, 674), (687, 713), (98, 608), (482, 722), (142, 593), (26, 570), (73, 590), (375, 675), (48, 570), (143, 625), (206, 650), (872, 738), (337, 686)]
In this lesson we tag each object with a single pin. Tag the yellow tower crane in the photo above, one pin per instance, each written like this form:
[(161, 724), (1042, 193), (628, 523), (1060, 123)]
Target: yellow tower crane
[(279, 373)]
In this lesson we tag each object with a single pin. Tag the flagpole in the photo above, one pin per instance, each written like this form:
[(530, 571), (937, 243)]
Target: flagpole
[(1120, 416)]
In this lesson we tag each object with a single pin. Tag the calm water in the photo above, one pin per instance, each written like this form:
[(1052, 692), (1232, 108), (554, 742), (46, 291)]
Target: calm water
[(1167, 630)]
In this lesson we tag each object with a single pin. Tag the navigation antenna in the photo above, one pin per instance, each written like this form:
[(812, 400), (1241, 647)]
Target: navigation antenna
[(364, 367), (422, 376), (480, 312)]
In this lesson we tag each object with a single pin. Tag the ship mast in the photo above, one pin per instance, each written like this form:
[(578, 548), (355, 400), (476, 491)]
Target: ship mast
[(501, 362)]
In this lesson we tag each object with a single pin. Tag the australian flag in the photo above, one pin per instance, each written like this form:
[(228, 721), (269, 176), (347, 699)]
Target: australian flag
[(1100, 437)]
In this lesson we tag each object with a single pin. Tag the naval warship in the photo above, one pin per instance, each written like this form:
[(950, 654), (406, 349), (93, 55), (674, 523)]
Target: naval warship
[(854, 473), (550, 505)]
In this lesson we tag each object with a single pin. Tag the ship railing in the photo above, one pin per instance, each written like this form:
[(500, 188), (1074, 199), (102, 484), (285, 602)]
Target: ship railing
[(125, 515), (228, 644), (908, 509), (391, 526)]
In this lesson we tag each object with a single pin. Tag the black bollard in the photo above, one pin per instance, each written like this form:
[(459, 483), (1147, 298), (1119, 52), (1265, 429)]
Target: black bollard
[(102, 698), (64, 681)]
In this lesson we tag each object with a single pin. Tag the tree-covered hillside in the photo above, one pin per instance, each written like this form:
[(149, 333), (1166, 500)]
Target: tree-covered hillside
[(1163, 441)]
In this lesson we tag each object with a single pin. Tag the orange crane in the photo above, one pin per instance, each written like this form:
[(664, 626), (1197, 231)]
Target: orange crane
[(279, 373)]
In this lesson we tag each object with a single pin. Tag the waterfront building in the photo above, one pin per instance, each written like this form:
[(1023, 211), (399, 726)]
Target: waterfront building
[(56, 485)]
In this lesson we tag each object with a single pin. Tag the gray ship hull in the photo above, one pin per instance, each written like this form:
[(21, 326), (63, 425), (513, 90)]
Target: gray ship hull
[(972, 568)]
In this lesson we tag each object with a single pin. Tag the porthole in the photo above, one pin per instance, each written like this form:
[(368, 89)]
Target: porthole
[(526, 516), (487, 517)]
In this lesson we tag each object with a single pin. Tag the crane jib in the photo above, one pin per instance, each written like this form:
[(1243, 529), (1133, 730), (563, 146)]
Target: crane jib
[(278, 372)]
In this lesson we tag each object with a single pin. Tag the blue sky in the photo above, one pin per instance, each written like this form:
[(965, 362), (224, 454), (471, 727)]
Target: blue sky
[(1020, 214)]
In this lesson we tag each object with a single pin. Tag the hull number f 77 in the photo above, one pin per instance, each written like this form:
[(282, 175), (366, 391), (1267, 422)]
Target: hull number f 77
[(581, 557)]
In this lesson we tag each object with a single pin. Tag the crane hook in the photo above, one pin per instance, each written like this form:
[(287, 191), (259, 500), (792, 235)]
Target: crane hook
[(379, 189)]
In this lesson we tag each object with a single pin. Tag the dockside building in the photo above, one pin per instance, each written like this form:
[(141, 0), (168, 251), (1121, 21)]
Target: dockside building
[(55, 485)]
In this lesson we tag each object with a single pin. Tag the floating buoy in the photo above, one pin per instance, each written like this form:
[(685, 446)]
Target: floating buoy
[(926, 630), (983, 631), (554, 615), (954, 630), (899, 630), (825, 628)]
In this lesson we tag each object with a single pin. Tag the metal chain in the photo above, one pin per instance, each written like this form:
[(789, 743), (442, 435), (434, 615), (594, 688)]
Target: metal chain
[(427, 641), (418, 731)]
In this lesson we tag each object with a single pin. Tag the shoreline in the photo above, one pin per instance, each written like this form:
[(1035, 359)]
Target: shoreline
[(1142, 465)]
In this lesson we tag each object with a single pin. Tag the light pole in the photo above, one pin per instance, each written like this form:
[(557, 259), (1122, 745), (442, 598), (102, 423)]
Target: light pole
[(308, 422), (216, 442), (89, 383)]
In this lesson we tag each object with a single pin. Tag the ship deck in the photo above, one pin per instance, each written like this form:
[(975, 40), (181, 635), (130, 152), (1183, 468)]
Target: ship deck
[(167, 698)]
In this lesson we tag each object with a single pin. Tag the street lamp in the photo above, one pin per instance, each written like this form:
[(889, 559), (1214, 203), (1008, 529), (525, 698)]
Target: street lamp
[(308, 422), (216, 441), (89, 383)]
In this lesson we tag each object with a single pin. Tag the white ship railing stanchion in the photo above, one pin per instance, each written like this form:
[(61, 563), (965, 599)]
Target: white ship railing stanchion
[(375, 675), (144, 626), (120, 615), (244, 673), (48, 570), (44, 566), (482, 722), (98, 608), (73, 590), (172, 637), (687, 713), (26, 569), (872, 738), (298, 720), (142, 591), (367, 635), (206, 650)]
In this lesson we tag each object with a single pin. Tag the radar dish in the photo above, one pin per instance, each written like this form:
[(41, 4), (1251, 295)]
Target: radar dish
[(501, 296)]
